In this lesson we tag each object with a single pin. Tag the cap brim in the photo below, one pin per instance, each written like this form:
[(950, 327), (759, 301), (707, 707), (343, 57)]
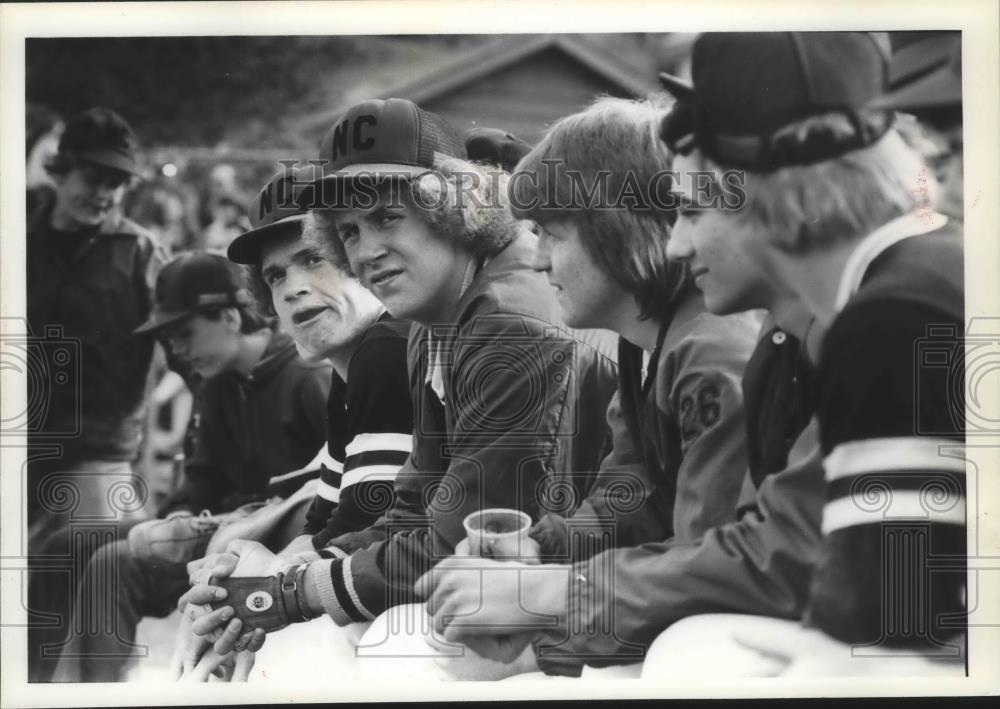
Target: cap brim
[(160, 320), (682, 90), (376, 171), (942, 87), (112, 159), (245, 248), (313, 197)]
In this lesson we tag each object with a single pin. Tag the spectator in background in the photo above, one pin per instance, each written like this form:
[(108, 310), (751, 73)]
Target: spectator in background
[(90, 273), (163, 207), (221, 180), (43, 129), (229, 220), (925, 80)]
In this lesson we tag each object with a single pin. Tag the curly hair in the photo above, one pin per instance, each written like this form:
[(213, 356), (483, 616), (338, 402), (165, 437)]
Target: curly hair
[(459, 201)]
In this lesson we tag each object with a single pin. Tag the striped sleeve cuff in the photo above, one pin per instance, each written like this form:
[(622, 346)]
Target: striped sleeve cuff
[(880, 480), (375, 456), (335, 588), (332, 553)]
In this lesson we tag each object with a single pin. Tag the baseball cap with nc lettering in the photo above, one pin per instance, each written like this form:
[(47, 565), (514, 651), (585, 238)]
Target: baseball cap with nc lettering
[(275, 210), (387, 138)]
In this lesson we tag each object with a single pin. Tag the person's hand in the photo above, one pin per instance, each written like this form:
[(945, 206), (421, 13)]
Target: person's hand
[(230, 667), (494, 607), (301, 543), (470, 665), (241, 559), (530, 551), (188, 647), (301, 557)]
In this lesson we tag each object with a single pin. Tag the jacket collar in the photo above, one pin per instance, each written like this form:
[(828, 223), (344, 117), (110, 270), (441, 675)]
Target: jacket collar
[(876, 243), (517, 255)]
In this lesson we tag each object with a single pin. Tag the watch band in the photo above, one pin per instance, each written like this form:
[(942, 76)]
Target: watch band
[(287, 582), (300, 593)]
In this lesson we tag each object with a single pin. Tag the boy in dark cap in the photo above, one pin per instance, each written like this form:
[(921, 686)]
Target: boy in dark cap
[(833, 213), (90, 274), (263, 413), (332, 316)]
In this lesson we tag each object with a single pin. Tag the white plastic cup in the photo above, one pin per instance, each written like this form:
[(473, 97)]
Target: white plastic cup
[(497, 533)]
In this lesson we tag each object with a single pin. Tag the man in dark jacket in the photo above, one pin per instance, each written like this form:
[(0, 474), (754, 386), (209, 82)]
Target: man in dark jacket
[(263, 413), (90, 274)]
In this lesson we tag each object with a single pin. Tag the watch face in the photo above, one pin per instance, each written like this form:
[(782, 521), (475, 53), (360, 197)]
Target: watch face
[(259, 601)]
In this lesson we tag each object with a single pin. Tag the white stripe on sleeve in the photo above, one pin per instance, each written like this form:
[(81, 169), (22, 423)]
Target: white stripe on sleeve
[(365, 442)]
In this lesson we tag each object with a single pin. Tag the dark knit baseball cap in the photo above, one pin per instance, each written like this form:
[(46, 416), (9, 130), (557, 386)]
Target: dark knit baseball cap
[(387, 138), (194, 282), (275, 210), (102, 137), (747, 86), (492, 146)]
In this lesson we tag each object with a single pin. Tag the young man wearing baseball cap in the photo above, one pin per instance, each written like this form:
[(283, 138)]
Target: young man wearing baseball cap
[(833, 214), (333, 317), (507, 399), (262, 413), (90, 274)]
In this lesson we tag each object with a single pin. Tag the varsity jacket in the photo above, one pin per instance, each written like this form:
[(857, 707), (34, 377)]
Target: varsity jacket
[(621, 599), (678, 464), (253, 427), (891, 414), (86, 293), (506, 401), (369, 436)]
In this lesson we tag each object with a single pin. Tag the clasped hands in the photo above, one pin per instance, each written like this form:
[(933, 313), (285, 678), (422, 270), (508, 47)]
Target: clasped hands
[(494, 609), (213, 642)]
